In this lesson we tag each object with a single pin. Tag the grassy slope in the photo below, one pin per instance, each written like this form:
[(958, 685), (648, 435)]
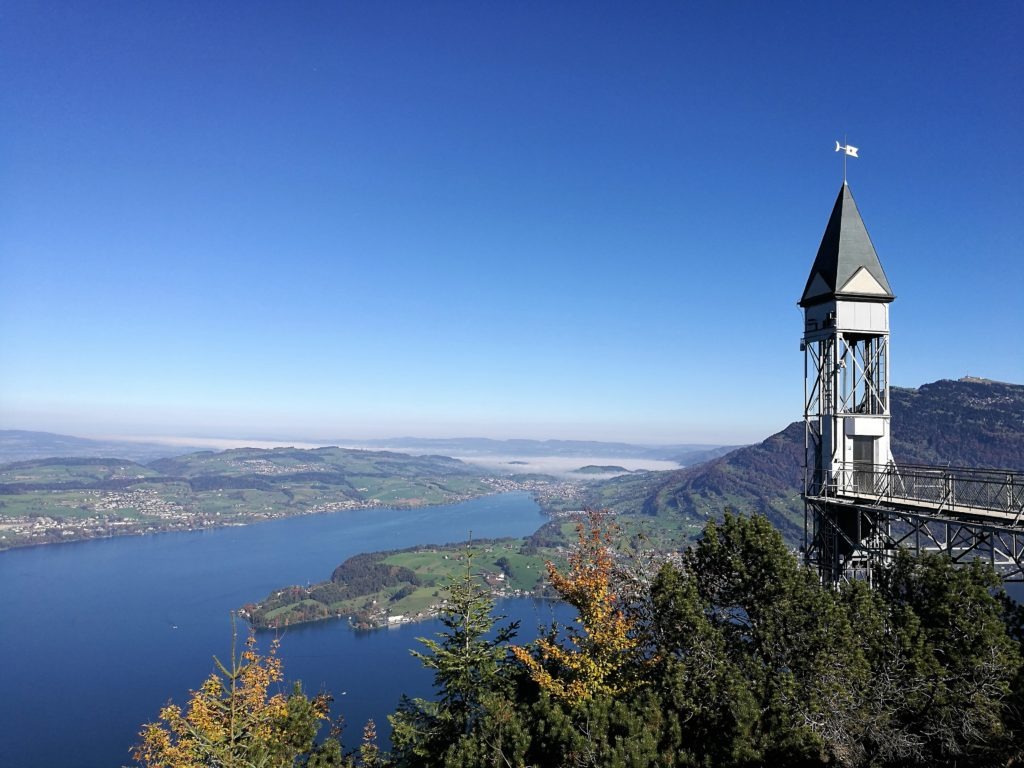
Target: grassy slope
[(73, 471), (396, 593)]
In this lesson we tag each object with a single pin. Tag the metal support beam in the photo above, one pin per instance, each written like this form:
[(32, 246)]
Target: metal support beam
[(852, 540)]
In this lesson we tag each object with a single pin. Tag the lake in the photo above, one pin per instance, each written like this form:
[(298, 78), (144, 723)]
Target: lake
[(96, 636)]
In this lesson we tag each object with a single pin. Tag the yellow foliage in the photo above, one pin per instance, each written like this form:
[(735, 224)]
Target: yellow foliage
[(232, 721), (596, 660)]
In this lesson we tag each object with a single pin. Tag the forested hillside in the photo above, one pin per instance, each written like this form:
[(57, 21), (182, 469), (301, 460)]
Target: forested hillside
[(970, 423), (965, 423)]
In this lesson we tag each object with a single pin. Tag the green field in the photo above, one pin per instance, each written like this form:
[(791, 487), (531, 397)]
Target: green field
[(73, 471), (411, 584)]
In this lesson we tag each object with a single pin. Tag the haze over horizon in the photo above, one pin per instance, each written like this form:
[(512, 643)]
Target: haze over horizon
[(581, 221), (223, 442)]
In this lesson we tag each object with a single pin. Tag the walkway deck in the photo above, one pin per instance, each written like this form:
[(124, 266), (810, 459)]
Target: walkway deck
[(956, 493)]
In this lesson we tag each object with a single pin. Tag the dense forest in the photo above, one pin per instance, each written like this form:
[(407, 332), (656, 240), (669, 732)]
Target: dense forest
[(730, 654)]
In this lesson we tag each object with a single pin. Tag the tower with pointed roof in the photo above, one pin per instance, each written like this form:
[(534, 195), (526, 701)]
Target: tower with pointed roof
[(846, 387), (860, 507)]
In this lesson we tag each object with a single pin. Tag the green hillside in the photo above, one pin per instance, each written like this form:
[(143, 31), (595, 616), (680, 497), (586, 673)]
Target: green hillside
[(764, 478), (381, 588), (966, 423), (48, 500), (73, 473), (971, 423)]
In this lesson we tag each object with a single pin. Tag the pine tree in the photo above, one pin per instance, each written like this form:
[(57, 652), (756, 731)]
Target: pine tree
[(468, 660), (797, 675), (955, 661), (710, 710)]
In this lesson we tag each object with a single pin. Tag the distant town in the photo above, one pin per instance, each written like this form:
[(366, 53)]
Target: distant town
[(90, 514)]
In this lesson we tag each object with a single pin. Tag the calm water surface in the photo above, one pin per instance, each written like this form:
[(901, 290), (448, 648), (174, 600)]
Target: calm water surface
[(96, 636)]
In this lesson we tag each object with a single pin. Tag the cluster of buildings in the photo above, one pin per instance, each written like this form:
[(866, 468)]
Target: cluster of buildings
[(543, 490), (101, 513), (265, 467)]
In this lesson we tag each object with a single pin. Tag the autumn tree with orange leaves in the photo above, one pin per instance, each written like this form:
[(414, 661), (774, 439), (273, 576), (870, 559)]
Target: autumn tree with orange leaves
[(597, 658), (234, 721)]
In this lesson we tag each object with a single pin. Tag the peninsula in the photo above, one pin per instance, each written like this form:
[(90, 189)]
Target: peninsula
[(383, 589)]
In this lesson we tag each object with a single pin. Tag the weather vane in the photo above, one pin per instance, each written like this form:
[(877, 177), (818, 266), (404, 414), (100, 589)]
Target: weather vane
[(848, 150)]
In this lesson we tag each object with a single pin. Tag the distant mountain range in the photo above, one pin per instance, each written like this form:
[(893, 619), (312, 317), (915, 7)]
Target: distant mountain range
[(969, 423), (22, 445)]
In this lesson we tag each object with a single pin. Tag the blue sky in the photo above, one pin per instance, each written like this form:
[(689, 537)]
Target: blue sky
[(549, 220)]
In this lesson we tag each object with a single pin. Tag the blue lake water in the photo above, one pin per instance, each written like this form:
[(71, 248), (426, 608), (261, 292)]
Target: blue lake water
[(96, 636)]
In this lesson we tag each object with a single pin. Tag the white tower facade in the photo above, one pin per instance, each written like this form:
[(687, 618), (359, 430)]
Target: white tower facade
[(846, 362)]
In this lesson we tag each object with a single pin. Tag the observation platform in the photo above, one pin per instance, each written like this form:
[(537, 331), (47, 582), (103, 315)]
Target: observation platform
[(955, 493), (865, 512)]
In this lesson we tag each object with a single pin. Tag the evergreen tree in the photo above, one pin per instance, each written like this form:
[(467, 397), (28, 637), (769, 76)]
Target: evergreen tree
[(1013, 617), (710, 711), (955, 661), (468, 660)]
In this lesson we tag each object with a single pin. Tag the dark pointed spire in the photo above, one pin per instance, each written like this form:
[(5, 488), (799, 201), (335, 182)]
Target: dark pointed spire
[(846, 266)]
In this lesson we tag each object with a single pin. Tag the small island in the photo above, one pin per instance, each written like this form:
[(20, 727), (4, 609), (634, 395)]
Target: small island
[(601, 469)]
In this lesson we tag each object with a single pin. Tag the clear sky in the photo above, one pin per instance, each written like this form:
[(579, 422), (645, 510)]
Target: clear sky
[(522, 219)]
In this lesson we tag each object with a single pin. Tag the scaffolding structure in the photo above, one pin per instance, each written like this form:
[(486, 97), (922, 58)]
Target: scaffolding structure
[(857, 517)]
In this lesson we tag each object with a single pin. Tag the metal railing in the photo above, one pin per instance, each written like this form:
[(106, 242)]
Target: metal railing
[(944, 489)]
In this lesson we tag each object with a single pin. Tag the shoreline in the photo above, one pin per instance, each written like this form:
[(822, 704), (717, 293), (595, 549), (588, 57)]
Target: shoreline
[(428, 614), (209, 525), (388, 588)]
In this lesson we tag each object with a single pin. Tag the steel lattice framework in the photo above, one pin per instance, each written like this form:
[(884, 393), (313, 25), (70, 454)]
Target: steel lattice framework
[(858, 516)]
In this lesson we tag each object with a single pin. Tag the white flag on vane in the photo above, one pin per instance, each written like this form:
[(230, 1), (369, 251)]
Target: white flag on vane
[(848, 149)]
